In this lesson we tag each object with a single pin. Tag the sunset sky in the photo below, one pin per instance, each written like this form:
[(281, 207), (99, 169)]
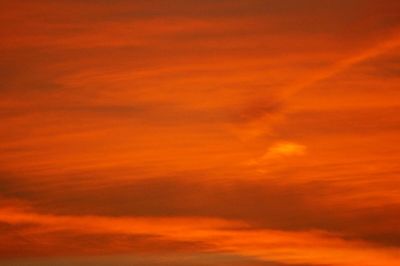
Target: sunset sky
[(200, 133)]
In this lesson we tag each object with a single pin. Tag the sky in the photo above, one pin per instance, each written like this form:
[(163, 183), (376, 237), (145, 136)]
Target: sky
[(200, 133)]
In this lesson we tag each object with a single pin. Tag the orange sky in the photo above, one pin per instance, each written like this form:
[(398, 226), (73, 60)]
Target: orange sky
[(200, 133)]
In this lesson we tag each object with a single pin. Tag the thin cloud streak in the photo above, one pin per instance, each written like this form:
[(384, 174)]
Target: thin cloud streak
[(342, 65)]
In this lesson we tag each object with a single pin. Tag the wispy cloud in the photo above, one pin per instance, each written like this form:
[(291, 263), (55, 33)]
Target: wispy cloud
[(263, 129), (221, 236)]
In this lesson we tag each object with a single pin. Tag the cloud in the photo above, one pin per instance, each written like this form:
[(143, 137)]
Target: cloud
[(221, 236), (279, 150), (262, 129), (284, 149), (202, 259)]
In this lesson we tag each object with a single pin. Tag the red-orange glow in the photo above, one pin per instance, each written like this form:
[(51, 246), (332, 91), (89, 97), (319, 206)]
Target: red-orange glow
[(183, 133)]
